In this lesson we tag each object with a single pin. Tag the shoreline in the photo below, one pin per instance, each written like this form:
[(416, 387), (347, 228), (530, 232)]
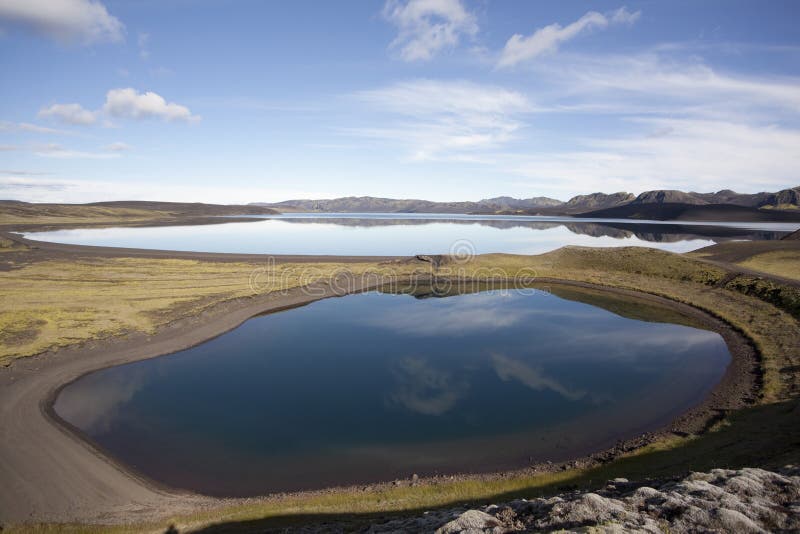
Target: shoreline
[(72, 495), (733, 390)]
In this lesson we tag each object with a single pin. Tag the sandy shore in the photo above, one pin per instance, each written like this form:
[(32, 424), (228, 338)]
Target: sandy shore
[(49, 473)]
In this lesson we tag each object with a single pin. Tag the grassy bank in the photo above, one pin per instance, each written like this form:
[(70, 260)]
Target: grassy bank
[(30, 215), (15, 214), (55, 303), (780, 258), (146, 293)]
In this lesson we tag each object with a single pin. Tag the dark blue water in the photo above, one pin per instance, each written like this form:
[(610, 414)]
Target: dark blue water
[(376, 386)]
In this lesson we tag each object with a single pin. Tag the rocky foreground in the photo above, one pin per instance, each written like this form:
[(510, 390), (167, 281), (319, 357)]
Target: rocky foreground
[(746, 500)]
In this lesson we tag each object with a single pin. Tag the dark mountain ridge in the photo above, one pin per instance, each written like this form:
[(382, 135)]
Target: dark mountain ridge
[(586, 205)]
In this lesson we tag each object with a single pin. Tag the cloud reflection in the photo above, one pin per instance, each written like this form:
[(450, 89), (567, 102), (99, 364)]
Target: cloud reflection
[(424, 389), (508, 369), (464, 315), (93, 404)]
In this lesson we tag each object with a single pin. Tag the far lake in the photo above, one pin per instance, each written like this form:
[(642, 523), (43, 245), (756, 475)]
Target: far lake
[(408, 234), (377, 386)]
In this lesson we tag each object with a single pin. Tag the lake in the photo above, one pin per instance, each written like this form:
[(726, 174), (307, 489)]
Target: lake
[(408, 234), (377, 386)]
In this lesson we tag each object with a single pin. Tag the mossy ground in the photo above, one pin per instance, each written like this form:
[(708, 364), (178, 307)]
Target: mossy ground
[(74, 214), (783, 263)]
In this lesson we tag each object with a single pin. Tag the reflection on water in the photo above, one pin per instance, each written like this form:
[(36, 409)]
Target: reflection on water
[(511, 369), (396, 235), (376, 386)]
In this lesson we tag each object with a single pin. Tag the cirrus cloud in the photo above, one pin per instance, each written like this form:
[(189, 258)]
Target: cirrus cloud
[(6, 126), (444, 119), (118, 147), (428, 26), (54, 150), (521, 48)]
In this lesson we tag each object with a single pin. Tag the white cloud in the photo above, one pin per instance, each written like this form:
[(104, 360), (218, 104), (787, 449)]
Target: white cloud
[(53, 150), (445, 119), (547, 39), (623, 16), (23, 173), (692, 154), (128, 103), (85, 21), (428, 26), (655, 77), (20, 188), (6, 126), (74, 114), (118, 147), (120, 103), (42, 189)]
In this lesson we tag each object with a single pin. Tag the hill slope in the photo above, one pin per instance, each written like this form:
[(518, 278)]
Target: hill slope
[(787, 199)]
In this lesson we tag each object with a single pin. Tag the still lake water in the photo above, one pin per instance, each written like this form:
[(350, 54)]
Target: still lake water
[(376, 386), (408, 234)]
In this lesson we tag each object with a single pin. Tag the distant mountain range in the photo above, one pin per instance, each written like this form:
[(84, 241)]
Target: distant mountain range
[(664, 204), (391, 205)]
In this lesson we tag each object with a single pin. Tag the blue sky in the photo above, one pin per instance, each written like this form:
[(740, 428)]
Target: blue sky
[(243, 101)]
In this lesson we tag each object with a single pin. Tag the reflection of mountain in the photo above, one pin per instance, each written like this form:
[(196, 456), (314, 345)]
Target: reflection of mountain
[(656, 233), (371, 222), (598, 230), (670, 233), (678, 211)]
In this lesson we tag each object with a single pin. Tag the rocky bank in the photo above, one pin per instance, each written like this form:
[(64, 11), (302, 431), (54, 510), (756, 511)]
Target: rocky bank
[(744, 501)]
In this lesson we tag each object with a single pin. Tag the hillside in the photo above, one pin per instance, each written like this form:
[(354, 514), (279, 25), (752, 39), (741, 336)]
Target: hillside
[(24, 214), (390, 205), (668, 196), (784, 199), (183, 208), (753, 204), (596, 201)]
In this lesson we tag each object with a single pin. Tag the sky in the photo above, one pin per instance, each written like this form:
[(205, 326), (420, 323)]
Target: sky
[(236, 101)]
